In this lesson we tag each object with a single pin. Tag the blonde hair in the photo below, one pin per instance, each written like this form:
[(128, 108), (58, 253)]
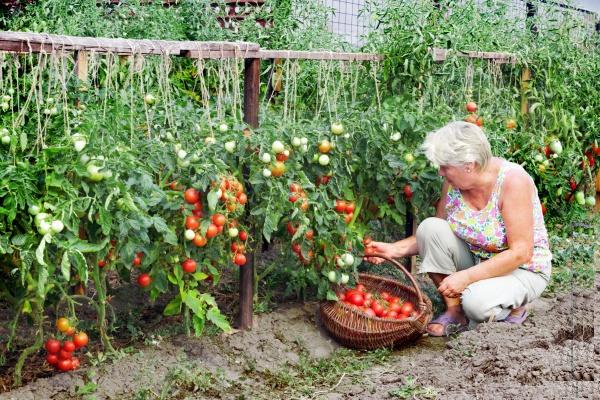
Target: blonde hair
[(458, 143)]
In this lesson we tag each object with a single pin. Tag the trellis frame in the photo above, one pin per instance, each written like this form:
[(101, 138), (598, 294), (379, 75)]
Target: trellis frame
[(27, 42)]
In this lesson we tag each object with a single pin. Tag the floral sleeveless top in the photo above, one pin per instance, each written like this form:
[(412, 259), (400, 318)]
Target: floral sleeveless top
[(484, 230)]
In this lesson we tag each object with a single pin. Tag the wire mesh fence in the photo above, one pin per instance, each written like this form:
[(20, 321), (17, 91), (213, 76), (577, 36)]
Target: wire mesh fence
[(350, 18)]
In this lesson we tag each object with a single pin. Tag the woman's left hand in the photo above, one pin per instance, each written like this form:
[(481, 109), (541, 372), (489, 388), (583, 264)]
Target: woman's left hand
[(453, 285)]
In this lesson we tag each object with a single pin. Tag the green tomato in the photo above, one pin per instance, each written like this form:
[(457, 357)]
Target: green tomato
[(590, 201), (324, 159), (44, 228), (344, 279), (277, 147), (34, 210), (409, 158), (337, 128), (57, 226), (40, 217), (348, 259), (580, 198), (5, 139), (149, 99), (332, 276)]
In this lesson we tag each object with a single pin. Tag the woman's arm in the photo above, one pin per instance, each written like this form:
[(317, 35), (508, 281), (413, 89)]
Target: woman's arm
[(408, 246), (517, 212)]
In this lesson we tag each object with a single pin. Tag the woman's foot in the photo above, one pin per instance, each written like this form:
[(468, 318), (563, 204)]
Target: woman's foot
[(517, 316), (450, 322)]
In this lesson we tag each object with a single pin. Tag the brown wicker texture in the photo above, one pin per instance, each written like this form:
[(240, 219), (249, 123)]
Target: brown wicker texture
[(353, 328)]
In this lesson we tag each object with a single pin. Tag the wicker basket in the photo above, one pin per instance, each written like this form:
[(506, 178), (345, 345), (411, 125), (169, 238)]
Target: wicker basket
[(353, 328)]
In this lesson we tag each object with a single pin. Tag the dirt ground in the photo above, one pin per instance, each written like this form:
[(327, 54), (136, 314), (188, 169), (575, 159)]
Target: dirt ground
[(554, 355)]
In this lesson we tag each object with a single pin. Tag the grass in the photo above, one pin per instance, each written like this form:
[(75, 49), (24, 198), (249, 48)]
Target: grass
[(411, 390), (311, 374)]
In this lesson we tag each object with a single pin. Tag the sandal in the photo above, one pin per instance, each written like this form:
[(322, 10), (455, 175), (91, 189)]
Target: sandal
[(450, 323), (516, 319)]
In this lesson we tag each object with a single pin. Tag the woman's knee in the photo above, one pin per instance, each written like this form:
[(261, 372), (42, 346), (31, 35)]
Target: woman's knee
[(474, 306), (430, 227)]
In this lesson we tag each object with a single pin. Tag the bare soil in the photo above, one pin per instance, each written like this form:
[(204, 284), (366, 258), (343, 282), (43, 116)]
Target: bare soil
[(555, 354)]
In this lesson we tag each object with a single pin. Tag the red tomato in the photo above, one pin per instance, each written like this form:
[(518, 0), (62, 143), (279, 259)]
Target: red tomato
[(101, 264), (402, 316), (377, 308), (356, 298), (309, 235), (293, 198), (239, 259), (192, 222), (295, 188), (281, 157), (243, 235), (395, 307), (340, 206), (189, 265), (471, 106), (367, 303), (70, 331), (52, 346), (407, 308), (68, 346), (212, 231), (144, 280), (136, 261), (218, 219), (64, 355), (74, 363), (199, 240), (543, 209), (65, 365), (191, 196), (370, 312), (242, 198), (572, 184), (52, 359), (360, 287), (80, 340), (392, 314), (290, 228), (348, 218), (385, 295), (394, 299), (408, 192), (296, 248), (350, 207)]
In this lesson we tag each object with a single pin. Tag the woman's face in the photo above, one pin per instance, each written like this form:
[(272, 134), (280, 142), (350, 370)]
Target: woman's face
[(459, 176)]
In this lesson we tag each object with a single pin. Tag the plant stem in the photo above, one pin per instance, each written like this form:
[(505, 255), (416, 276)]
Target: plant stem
[(38, 319)]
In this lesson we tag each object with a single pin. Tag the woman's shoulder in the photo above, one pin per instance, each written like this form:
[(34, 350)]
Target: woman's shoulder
[(516, 177)]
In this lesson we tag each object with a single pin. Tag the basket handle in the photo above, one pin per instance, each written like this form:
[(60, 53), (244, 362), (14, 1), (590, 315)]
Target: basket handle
[(413, 320)]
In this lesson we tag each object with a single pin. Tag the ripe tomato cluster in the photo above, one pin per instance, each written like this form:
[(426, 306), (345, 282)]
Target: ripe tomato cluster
[(298, 195), (309, 235), (374, 304), (472, 117), (60, 354), (345, 207)]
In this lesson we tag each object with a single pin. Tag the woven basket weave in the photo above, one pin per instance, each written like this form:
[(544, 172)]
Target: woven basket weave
[(355, 329)]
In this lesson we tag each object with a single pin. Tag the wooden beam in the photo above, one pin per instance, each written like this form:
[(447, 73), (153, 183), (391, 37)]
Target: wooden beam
[(251, 91), (440, 55), (27, 42), (81, 65), (318, 55), (525, 78)]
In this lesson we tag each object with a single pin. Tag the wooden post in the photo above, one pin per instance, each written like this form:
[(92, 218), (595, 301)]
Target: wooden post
[(410, 228), (251, 103), (275, 78), (525, 78), (81, 70)]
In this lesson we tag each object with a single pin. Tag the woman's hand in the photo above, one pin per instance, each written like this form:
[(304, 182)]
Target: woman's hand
[(454, 284), (390, 250)]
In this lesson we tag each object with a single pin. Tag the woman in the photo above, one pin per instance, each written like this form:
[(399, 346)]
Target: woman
[(487, 248)]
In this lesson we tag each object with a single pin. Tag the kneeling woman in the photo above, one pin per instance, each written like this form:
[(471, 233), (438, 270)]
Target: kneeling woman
[(487, 248)]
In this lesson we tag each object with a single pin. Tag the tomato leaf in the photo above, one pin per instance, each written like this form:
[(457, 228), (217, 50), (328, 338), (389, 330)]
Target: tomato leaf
[(331, 295), (194, 303), (41, 283), (84, 246), (39, 253), (174, 306), (200, 276), (208, 299), (65, 266), (198, 323), (80, 264), (215, 316), (213, 198)]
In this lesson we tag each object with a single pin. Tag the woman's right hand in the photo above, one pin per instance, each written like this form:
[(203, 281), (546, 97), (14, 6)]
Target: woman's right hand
[(389, 250)]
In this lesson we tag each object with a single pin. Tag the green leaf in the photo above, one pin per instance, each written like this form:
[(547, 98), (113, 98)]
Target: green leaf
[(23, 140), (39, 253), (19, 240), (41, 283), (26, 307), (174, 306), (200, 276), (332, 296), (194, 303), (65, 266), (198, 323), (86, 247), (213, 198), (80, 264), (215, 316), (271, 222), (208, 299)]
